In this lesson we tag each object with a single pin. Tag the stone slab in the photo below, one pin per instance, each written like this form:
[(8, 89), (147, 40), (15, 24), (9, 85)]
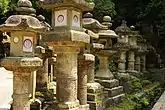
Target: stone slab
[(66, 35), (114, 91), (96, 96), (113, 100), (96, 105), (109, 83)]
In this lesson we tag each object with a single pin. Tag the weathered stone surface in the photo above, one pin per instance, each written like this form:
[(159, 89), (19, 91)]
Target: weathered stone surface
[(67, 80), (94, 97), (143, 63), (84, 65), (122, 61), (114, 100), (20, 64), (104, 72), (114, 91), (98, 105), (137, 63), (94, 87), (123, 28), (83, 62), (66, 36), (22, 68), (109, 83), (91, 73), (21, 93), (42, 76), (92, 24), (23, 22), (131, 60)]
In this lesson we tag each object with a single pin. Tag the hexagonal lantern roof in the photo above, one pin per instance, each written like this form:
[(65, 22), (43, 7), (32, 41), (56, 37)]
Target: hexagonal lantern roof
[(24, 21), (123, 28), (84, 5), (107, 32), (90, 23)]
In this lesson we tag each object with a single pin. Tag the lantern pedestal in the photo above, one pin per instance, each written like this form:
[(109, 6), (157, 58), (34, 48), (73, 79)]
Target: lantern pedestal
[(22, 67)]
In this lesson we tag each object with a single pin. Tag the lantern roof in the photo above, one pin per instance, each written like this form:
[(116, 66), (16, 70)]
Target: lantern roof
[(90, 23), (107, 32), (24, 21), (123, 28)]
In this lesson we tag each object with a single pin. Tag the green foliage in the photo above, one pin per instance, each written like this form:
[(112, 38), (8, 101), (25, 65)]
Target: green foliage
[(102, 8), (145, 98), (127, 104), (112, 65), (3, 6), (145, 82), (135, 83), (144, 101)]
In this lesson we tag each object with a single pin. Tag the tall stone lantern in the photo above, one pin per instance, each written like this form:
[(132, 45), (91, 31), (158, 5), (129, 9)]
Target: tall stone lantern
[(106, 37), (93, 88), (122, 45), (66, 38), (133, 48), (22, 62), (104, 76), (141, 55)]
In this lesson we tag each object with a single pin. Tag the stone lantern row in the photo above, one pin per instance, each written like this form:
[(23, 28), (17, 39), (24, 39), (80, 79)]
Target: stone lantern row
[(76, 48)]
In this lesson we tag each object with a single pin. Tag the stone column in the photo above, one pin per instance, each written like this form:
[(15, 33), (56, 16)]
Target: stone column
[(66, 77), (32, 84), (121, 62), (103, 72), (51, 63), (91, 72), (82, 83), (143, 63), (137, 63), (42, 76), (131, 60), (94, 89), (21, 94), (84, 61)]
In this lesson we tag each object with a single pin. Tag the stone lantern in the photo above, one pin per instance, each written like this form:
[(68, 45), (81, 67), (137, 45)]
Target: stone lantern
[(44, 52), (22, 62), (133, 48), (66, 38), (140, 58), (104, 76), (122, 45), (138, 53), (93, 88), (106, 37)]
